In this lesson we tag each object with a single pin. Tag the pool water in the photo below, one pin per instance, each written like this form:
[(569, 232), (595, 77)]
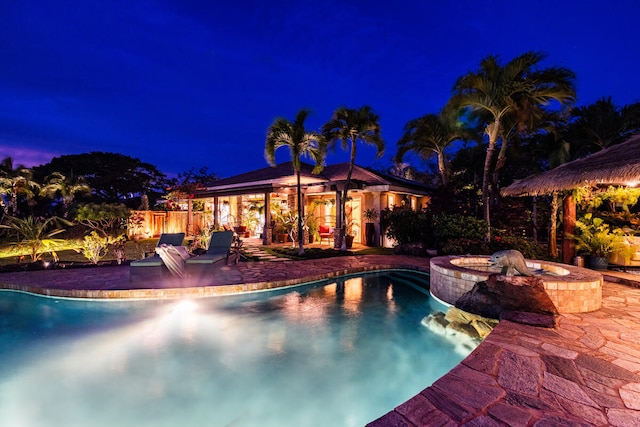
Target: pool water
[(335, 353)]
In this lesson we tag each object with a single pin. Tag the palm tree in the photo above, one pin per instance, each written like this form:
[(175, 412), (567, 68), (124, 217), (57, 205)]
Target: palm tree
[(518, 89), (348, 126), (301, 143), (428, 135), (602, 124), (16, 182), (555, 143), (67, 188)]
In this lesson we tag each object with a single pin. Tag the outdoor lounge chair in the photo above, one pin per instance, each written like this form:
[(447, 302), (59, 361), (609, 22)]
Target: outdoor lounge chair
[(219, 249), (153, 267), (326, 232)]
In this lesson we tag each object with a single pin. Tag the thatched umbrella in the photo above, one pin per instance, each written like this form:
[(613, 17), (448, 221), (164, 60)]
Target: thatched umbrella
[(618, 164)]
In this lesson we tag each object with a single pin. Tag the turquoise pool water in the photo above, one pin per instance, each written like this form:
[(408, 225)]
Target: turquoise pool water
[(335, 353)]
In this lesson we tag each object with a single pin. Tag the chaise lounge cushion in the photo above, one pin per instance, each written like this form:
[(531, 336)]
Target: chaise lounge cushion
[(219, 248), (153, 267)]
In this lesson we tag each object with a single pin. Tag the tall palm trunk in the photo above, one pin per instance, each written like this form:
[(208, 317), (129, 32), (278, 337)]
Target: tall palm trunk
[(553, 226), (492, 131), (345, 194), (441, 169), (300, 213)]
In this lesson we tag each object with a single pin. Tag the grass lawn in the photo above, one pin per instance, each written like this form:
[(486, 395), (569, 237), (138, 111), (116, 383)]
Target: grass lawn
[(133, 250), (315, 253), (136, 250)]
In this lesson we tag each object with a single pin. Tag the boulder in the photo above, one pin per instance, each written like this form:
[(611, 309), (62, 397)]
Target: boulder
[(456, 321), (520, 299)]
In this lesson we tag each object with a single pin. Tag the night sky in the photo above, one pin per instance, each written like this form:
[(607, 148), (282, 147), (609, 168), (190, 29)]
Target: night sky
[(185, 84)]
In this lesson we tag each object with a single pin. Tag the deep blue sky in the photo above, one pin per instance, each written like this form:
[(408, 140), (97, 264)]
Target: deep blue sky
[(182, 84)]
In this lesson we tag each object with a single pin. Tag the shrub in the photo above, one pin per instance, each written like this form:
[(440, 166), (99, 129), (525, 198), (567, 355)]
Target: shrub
[(107, 219), (499, 242), (450, 227), (407, 226), (94, 247)]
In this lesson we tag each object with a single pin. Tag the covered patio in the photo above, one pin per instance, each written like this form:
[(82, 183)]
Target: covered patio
[(259, 203)]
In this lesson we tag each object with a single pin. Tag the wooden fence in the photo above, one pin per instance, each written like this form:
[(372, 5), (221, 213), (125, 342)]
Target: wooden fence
[(154, 223)]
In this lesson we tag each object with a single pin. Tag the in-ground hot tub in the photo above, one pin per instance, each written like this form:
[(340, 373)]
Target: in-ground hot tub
[(571, 289)]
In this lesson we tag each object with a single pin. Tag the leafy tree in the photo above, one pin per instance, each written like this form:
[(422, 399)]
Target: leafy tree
[(301, 143), (347, 126), (107, 219), (113, 177), (16, 182), (517, 92), (200, 178), (36, 236), (430, 135), (188, 182)]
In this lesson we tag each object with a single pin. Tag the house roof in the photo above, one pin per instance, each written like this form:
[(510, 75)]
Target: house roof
[(618, 164), (280, 176)]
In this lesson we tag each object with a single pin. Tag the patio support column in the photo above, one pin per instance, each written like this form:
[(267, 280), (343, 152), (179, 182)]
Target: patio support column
[(337, 241), (216, 213), (568, 227), (188, 231), (303, 201), (376, 206), (266, 232)]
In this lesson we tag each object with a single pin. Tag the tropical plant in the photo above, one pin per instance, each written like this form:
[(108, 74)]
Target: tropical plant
[(301, 143), (203, 237), (16, 182), (595, 237), (430, 135), (311, 221), (370, 215), (35, 236), (515, 92), (66, 188), (253, 219), (347, 126)]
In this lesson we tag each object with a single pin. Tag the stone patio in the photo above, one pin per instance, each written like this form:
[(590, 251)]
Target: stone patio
[(585, 372)]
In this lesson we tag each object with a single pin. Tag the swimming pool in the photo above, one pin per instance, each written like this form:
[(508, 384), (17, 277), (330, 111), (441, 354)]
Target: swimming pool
[(335, 353)]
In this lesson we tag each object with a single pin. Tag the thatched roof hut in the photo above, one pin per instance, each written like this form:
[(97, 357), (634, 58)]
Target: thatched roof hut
[(618, 164)]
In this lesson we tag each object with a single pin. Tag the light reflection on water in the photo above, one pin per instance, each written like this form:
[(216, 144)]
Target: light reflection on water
[(341, 353)]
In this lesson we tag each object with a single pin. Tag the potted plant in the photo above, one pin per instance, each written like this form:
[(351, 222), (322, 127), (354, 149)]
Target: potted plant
[(370, 216), (595, 238), (349, 237)]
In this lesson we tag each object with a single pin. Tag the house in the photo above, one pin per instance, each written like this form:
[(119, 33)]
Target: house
[(255, 202)]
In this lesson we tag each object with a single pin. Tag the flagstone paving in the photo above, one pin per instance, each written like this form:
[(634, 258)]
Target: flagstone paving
[(585, 372)]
